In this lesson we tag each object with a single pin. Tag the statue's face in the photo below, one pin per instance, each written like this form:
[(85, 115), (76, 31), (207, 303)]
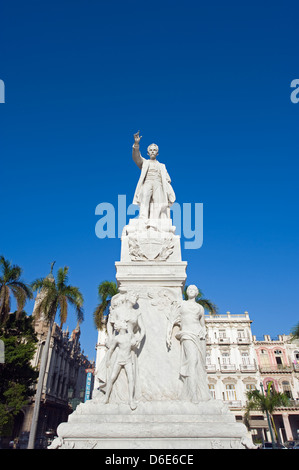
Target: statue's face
[(152, 151), (192, 292)]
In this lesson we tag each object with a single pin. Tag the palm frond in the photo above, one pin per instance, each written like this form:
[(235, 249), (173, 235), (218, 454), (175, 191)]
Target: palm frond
[(295, 332), (98, 316), (37, 285), (49, 306), (14, 273), (106, 290), (56, 296), (26, 288), (74, 294), (62, 277), (62, 307), (4, 263), (77, 303), (208, 305), (20, 295), (10, 282), (265, 402)]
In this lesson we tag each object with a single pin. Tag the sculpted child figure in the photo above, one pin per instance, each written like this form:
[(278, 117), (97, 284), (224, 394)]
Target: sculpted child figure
[(124, 307), (124, 342)]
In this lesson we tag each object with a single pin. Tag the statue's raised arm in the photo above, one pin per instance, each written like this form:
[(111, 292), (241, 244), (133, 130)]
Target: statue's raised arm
[(136, 153)]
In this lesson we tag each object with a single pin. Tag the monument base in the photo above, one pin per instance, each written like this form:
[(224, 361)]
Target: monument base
[(153, 425)]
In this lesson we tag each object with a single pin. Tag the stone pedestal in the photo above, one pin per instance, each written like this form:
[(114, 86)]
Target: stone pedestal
[(151, 266), (153, 425)]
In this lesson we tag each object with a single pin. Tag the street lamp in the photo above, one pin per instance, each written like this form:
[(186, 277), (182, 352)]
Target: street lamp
[(268, 419)]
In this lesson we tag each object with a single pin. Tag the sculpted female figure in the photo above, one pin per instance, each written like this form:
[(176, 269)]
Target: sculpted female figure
[(192, 334), (122, 310)]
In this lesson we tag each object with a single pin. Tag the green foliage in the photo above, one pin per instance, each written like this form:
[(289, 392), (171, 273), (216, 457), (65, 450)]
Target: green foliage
[(17, 375), (56, 296), (266, 402), (106, 290), (11, 284)]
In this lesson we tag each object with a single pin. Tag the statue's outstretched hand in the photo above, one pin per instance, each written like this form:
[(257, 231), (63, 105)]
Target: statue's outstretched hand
[(137, 137)]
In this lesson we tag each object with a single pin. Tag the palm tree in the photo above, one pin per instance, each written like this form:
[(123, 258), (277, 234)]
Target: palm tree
[(205, 303), (54, 296), (106, 290), (267, 403), (10, 283)]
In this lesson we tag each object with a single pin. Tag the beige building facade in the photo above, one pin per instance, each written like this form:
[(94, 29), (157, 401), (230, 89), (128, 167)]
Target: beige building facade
[(237, 362), (64, 382)]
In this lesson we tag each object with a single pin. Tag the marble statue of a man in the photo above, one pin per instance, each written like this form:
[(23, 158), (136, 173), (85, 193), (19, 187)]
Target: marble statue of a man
[(154, 193)]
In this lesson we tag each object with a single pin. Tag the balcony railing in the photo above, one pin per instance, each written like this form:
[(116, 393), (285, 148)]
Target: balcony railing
[(224, 340), (210, 367), (243, 340), (248, 368), (233, 403), (276, 368), (227, 367)]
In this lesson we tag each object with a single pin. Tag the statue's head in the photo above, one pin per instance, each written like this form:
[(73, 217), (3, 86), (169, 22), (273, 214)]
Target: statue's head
[(192, 292), (153, 151), (131, 297)]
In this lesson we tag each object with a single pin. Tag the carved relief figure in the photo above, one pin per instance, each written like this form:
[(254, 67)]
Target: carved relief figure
[(122, 310), (123, 343), (190, 316)]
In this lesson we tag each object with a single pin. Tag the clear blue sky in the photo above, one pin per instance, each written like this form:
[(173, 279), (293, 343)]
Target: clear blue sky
[(209, 82)]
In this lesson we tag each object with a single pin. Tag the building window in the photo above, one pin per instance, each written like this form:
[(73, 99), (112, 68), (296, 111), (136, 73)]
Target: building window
[(241, 333), (222, 334), (212, 390), (245, 358), (278, 357), (250, 387), (286, 388), (264, 358), (225, 358), (230, 392)]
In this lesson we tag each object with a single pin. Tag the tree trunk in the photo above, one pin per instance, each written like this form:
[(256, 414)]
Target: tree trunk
[(274, 427), (39, 390)]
